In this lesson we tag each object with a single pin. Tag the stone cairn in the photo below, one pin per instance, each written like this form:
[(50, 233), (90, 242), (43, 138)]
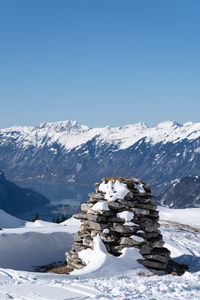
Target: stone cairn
[(121, 212)]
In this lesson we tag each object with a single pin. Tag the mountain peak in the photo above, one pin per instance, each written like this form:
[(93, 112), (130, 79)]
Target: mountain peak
[(60, 126), (168, 124)]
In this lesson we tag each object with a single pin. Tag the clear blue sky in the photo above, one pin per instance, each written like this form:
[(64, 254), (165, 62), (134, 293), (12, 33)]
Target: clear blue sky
[(100, 62)]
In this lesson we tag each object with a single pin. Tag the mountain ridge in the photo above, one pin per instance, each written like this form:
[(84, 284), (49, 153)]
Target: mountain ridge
[(123, 136), (66, 151)]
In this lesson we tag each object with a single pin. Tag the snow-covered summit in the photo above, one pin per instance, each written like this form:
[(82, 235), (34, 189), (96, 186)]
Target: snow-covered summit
[(70, 134), (60, 126)]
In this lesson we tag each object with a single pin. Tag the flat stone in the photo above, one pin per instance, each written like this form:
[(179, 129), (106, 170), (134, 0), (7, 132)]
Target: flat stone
[(118, 248), (115, 220), (78, 243), (78, 248), (96, 226), (149, 235), (145, 249), (139, 211), (78, 238), (156, 242), (86, 206), (128, 242), (161, 251), (115, 205), (124, 228), (81, 216), (88, 242), (113, 250), (147, 224), (109, 238), (141, 198), (95, 197), (96, 218), (157, 258), (76, 265), (153, 264), (135, 204), (84, 230)]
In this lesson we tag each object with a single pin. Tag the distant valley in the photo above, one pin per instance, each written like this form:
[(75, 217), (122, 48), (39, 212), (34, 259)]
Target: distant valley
[(69, 153)]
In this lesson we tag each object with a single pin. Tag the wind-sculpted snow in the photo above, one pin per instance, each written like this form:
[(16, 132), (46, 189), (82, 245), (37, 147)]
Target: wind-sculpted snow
[(109, 277)]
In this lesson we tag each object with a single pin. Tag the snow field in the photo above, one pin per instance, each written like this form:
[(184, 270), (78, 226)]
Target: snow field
[(105, 277)]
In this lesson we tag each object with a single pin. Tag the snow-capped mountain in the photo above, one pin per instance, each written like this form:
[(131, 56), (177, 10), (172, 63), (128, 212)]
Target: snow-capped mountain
[(69, 152)]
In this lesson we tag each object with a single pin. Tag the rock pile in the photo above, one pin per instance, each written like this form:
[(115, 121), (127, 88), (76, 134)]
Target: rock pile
[(121, 212)]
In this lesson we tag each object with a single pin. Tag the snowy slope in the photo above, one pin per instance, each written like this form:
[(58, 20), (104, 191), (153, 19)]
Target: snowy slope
[(110, 277), (8, 221), (27, 244)]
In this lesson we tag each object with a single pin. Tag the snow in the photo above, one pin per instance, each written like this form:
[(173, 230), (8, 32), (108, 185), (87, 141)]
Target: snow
[(127, 216), (189, 216), (114, 190), (101, 264), (140, 188), (137, 238), (100, 206), (105, 277), (70, 134), (8, 221)]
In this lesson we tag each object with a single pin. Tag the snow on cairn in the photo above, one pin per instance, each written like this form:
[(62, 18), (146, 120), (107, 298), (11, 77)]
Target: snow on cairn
[(119, 221)]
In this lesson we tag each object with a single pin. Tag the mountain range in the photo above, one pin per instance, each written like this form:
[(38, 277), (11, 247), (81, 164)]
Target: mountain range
[(67, 152)]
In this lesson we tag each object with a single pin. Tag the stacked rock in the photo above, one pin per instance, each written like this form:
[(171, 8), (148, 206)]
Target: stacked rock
[(122, 214)]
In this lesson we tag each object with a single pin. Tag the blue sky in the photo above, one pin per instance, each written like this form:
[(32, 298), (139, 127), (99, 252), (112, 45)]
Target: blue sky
[(100, 62)]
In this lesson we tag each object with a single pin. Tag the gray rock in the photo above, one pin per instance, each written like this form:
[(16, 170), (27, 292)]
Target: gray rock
[(115, 220), (139, 211), (149, 235), (153, 264), (81, 216), (156, 242), (88, 242), (157, 258), (161, 251), (145, 249), (76, 265), (96, 226), (129, 242), (124, 228), (109, 238), (96, 218), (78, 248), (115, 205), (95, 197)]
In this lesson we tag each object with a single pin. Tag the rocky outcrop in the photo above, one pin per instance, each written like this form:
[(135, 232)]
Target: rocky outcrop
[(121, 212)]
